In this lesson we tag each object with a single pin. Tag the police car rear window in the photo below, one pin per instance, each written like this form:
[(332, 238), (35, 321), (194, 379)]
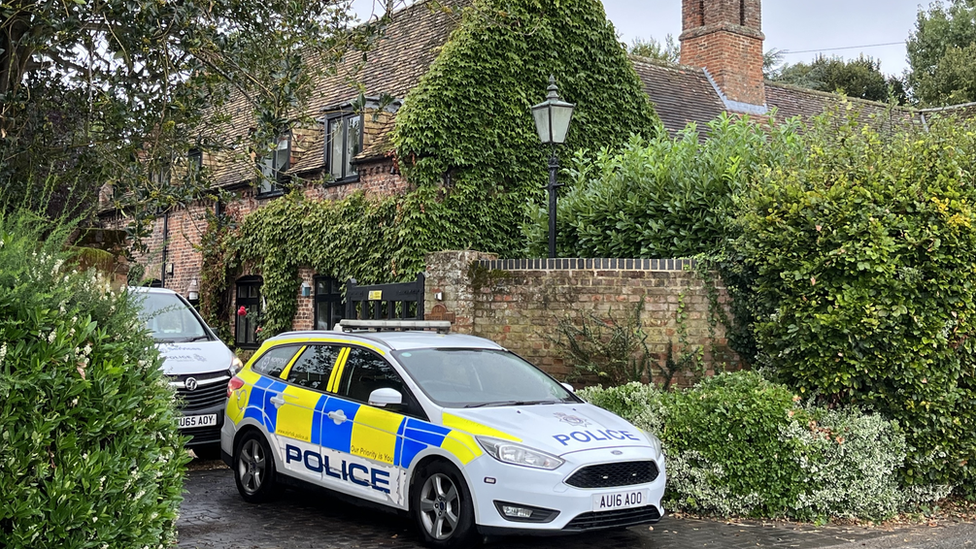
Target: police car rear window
[(314, 367), (273, 361)]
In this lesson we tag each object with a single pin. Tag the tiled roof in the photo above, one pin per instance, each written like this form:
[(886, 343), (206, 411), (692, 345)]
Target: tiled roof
[(790, 101), (393, 67), (680, 94)]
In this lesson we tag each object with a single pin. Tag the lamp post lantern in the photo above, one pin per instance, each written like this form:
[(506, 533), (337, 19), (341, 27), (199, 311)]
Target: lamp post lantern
[(552, 118)]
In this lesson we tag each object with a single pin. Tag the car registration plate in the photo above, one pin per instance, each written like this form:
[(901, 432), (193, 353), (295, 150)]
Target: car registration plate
[(620, 500), (206, 420)]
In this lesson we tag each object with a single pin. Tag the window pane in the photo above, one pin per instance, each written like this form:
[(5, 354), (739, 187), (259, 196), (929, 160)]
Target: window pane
[(335, 156), (321, 286), (366, 372), (274, 361), (322, 316), (352, 143), (313, 368)]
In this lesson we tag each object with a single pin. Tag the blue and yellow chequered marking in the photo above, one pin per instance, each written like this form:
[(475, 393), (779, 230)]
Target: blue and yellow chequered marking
[(296, 417), (338, 436), (374, 434), (260, 407)]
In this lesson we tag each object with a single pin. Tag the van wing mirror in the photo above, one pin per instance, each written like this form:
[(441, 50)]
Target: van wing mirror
[(384, 397), (568, 387)]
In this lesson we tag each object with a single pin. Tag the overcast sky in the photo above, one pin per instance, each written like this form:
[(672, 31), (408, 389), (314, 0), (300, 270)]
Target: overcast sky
[(792, 25)]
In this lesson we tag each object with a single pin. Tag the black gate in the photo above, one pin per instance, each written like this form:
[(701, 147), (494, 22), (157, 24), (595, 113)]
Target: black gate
[(385, 301)]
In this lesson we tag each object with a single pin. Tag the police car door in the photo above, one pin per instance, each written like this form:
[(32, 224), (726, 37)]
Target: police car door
[(300, 415), (374, 433)]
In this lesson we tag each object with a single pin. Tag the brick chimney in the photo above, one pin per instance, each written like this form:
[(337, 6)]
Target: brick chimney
[(725, 38)]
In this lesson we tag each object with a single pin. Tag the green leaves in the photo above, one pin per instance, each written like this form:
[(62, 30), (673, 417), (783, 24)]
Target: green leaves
[(882, 224), (739, 445), (91, 452)]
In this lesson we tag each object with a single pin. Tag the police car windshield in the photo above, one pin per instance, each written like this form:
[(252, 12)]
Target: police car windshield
[(170, 319), (473, 378)]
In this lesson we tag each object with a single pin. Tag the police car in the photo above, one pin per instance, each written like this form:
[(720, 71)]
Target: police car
[(467, 437)]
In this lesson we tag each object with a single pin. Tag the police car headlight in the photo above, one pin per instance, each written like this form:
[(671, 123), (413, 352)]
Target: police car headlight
[(654, 441), (516, 454)]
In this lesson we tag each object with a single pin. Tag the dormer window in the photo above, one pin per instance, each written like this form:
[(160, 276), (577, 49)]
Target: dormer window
[(273, 167), (344, 140)]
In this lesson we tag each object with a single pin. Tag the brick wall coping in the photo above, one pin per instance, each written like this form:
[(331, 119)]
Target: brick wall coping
[(609, 264)]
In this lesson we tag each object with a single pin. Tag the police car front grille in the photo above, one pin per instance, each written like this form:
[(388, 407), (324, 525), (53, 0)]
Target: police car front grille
[(211, 391), (608, 475), (613, 519)]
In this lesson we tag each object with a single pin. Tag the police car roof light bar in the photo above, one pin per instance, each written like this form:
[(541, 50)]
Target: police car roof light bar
[(349, 325)]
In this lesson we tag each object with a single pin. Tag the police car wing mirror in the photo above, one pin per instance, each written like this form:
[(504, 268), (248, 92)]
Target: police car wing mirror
[(385, 397), (568, 387)]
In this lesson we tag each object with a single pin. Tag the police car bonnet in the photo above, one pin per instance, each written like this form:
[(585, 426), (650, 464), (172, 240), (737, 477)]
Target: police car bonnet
[(559, 428)]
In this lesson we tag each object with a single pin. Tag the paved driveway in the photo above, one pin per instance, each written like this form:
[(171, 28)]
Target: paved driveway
[(213, 516)]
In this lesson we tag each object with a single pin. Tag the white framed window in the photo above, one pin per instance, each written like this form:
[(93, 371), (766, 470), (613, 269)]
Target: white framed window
[(344, 140)]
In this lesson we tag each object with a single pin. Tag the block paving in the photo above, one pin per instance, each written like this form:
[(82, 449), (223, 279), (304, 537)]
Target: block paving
[(213, 516)]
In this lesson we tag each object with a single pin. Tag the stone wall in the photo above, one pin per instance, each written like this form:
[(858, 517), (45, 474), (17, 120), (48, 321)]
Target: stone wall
[(519, 303)]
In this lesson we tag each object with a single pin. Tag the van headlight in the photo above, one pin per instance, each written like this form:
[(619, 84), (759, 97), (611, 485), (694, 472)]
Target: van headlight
[(508, 452), (235, 365)]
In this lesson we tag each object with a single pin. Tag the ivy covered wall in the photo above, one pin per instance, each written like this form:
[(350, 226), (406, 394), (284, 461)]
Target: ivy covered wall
[(466, 143)]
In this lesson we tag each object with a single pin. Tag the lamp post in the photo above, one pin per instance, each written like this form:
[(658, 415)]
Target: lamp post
[(552, 118)]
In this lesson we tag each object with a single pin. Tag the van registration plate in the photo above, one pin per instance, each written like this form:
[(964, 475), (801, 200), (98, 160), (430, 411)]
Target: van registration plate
[(206, 420)]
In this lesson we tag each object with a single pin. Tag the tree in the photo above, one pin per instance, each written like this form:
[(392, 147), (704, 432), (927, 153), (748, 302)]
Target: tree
[(112, 91), (667, 51), (942, 54), (861, 78)]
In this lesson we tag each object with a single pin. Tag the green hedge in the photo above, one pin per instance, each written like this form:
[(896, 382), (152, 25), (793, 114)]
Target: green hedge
[(90, 455), (864, 288), (662, 197), (739, 445)]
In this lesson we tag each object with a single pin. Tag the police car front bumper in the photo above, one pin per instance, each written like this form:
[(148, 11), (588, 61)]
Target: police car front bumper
[(504, 494)]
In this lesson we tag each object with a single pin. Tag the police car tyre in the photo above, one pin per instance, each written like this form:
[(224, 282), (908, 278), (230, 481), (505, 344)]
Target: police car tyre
[(254, 469), (441, 506)]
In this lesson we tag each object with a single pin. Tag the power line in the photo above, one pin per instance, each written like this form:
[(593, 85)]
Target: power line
[(790, 52)]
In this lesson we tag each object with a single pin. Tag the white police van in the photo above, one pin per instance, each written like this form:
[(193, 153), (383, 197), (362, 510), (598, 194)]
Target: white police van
[(196, 362), (465, 436)]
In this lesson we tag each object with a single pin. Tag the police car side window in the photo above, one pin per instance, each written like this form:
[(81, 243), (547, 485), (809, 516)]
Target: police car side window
[(274, 360), (365, 372), (313, 368)]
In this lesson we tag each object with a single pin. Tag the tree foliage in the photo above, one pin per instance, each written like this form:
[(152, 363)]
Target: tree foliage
[(667, 51), (942, 54), (863, 291), (861, 78), (117, 92)]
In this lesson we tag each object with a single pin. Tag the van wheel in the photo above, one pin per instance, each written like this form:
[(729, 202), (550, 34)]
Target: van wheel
[(441, 505), (254, 469)]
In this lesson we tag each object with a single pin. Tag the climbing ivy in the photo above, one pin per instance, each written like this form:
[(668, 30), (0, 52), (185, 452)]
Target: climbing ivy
[(466, 136), (466, 142)]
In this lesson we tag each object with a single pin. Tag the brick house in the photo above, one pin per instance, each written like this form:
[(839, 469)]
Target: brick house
[(349, 150)]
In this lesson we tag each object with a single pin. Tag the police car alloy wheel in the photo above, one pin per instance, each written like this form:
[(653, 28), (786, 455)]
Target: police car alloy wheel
[(442, 507), (254, 469)]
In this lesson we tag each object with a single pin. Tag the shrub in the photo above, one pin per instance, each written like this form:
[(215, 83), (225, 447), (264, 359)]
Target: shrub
[(91, 453), (864, 284), (663, 197), (739, 445)]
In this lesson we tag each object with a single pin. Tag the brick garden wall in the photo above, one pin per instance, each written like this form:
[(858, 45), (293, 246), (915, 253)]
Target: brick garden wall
[(518, 303)]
